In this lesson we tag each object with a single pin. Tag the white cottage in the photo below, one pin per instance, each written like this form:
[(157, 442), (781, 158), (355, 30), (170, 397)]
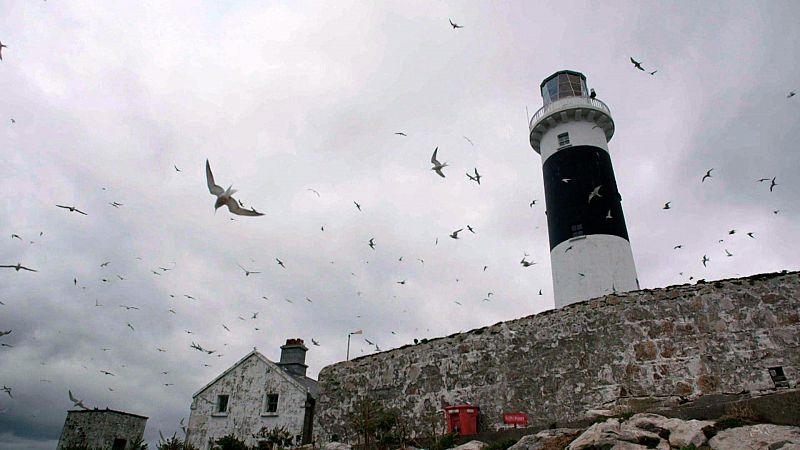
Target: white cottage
[(256, 396)]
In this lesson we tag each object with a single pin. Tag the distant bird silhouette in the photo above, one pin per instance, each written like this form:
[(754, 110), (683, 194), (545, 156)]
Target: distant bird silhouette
[(608, 215), (468, 140), (566, 180), (72, 209), (3, 333), (637, 64), (176, 168), (455, 25), (471, 230), (2, 46), (705, 260), (280, 263), (654, 72), (732, 232), (372, 243), (476, 178), (16, 236), (246, 272), (105, 372), (677, 246), (104, 264), (454, 234), (772, 184), (707, 175), (728, 253), (18, 267), (357, 206), (313, 341), (532, 203), (128, 308), (526, 263), (540, 292), (437, 166), (400, 133), (568, 249), (666, 205), (791, 93), (401, 282), (313, 190), (130, 326), (225, 196), (751, 234)]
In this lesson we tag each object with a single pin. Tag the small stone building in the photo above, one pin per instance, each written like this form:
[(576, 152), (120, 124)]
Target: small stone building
[(101, 428), (256, 396)]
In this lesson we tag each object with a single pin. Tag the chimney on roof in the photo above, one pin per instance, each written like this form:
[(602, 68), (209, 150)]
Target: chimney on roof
[(293, 357)]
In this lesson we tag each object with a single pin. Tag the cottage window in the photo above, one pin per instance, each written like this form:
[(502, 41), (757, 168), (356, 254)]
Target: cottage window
[(271, 403), (222, 404)]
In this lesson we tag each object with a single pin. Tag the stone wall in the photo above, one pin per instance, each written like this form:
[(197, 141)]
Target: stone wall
[(246, 385), (99, 428), (629, 351)]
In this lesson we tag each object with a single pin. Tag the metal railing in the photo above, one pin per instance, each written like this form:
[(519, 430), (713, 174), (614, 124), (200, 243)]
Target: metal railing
[(568, 102)]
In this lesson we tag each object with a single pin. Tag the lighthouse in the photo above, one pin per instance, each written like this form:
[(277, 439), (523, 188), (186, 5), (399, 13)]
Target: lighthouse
[(590, 252)]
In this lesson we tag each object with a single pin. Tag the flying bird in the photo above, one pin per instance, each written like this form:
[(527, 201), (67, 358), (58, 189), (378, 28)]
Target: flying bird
[(772, 184), (225, 196), (677, 246), (280, 263), (654, 72), (526, 263), (105, 264), (666, 205), (566, 180), (751, 234), (468, 140), (16, 236), (532, 203), (128, 308), (595, 193), (454, 25), (246, 272), (476, 178), (791, 93), (3, 333), (471, 230), (18, 267), (72, 209), (176, 168), (130, 326), (401, 282), (76, 401), (727, 253), (637, 64), (707, 175), (105, 372), (2, 46), (313, 190), (705, 260), (400, 133), (357, 205), (437, 166), (454, 234), (313, 341), (372, 243)]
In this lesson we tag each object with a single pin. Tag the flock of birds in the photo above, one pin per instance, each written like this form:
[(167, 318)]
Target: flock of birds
[(225, 198)]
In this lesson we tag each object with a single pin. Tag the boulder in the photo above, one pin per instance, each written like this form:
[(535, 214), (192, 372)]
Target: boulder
[(336, 446), (761, 437), (683, 433), (538, 440), (471, 445), (600, 434)]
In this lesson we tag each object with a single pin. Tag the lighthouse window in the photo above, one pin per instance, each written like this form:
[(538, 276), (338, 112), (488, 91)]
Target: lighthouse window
[(563, 139), (576, 229)]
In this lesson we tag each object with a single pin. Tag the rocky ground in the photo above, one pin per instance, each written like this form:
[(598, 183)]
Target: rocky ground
[(652, 431)]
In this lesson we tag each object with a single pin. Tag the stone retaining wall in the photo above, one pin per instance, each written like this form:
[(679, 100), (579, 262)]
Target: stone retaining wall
[(623, 351)]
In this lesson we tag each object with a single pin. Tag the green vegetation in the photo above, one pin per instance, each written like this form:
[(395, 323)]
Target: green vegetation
[(230, 442), (502, 445), (174, 443)]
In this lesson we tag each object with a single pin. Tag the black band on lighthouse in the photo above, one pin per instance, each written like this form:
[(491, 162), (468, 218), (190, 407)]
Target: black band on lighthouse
[(570, 175)]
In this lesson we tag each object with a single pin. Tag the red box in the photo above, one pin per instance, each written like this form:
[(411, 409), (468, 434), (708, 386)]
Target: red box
[(517, 418), (462, 419)]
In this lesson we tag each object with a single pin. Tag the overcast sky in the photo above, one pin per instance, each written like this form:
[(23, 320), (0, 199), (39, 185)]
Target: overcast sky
[(107, 97)]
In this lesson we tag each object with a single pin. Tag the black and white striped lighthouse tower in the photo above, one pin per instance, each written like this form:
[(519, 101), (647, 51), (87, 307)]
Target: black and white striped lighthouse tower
[(589, 249)]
